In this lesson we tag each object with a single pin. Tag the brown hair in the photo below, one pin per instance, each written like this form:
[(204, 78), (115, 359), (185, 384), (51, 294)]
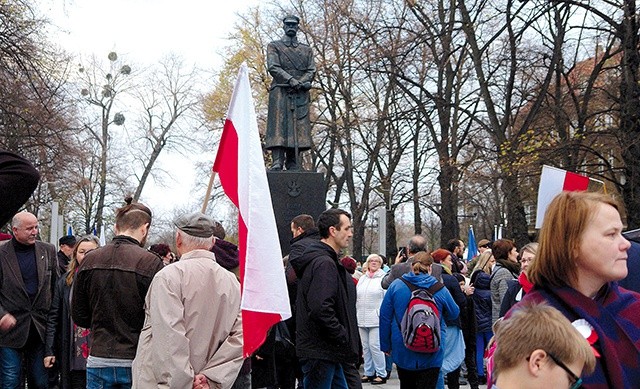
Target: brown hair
[(303, 221), (73, 264), (132, 215), (565, 221), (539, 327), (422, 261), (501, 249)]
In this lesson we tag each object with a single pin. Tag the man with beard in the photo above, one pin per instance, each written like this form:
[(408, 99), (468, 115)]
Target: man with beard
[(108, 297)]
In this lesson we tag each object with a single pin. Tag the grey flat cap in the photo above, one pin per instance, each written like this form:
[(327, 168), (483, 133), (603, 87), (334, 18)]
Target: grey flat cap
[(196, 224)]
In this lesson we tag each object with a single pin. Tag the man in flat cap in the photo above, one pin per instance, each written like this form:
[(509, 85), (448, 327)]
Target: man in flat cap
[(65, 244), (291, 65), (192, 335)]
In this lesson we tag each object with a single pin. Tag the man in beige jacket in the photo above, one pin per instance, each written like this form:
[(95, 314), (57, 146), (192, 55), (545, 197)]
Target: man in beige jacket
[(192, 335)]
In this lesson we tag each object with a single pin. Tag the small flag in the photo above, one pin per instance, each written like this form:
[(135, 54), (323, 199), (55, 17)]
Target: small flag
[(69, 230), (472, 246), (240, 166), (553, 181)]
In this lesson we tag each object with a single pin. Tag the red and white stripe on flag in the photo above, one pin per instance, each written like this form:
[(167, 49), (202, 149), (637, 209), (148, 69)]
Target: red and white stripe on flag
[(242, 173), (552, 182)]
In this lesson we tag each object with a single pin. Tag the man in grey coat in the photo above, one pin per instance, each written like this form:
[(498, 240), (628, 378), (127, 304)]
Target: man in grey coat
[(416, 244)]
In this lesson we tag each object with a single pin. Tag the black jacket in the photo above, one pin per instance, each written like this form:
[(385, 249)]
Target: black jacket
[(326, 307), (299, 244), (18, 179), (509, 300), (451, 283), (59, 340), (108, 295)]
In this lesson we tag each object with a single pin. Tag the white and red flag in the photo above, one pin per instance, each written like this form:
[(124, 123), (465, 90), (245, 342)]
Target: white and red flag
[(553, 181), (242, 173)]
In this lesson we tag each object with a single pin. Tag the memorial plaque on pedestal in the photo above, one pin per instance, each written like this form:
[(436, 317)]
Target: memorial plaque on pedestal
[(293, 193)]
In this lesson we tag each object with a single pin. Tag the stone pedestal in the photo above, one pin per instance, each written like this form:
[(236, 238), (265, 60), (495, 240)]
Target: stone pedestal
[(294, 193)]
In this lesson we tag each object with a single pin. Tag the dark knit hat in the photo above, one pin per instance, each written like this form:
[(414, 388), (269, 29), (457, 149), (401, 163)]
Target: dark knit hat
[(349, 264), (68, 240)]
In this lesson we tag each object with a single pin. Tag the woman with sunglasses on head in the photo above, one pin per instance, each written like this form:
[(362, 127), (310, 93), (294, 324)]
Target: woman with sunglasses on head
[(582, 255)]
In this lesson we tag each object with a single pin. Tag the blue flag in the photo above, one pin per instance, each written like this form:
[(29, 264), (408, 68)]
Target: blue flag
[(472, 246)]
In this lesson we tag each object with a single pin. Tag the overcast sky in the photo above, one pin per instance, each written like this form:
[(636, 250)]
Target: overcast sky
[(143, 31)]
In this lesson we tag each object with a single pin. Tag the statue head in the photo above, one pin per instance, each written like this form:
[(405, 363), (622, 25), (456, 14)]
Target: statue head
[(290, 25)]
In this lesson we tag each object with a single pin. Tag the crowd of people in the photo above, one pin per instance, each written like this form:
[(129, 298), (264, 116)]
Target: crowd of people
[(550, 315)]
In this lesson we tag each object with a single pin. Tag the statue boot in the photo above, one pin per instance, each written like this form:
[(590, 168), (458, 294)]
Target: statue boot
[(277, 156), (291, 163)]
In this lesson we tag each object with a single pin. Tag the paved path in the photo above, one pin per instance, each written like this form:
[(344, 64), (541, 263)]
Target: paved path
[(393, 382)]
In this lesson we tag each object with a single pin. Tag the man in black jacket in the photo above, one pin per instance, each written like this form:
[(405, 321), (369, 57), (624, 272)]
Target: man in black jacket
[(327, 336)]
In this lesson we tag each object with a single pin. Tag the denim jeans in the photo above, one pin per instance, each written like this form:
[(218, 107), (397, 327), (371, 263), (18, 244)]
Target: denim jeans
[(108, 378), (482, 340), (11, 363), (322, 374), (374, 361)]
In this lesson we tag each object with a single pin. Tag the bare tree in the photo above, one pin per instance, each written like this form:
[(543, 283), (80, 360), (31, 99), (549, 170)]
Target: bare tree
[(100, 88), (170, 104)]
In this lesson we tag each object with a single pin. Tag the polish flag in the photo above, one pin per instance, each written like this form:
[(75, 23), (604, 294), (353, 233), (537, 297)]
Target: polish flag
[(240, 166), (552, 182)]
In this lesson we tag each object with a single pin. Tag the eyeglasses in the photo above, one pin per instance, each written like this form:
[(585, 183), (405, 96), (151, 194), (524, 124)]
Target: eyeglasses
[(576, 381)]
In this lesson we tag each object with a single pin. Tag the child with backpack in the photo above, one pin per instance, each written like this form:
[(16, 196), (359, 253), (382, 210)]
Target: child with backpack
[(412, 316)]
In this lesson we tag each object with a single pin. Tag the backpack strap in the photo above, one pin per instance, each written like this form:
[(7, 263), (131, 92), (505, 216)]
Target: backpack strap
[(432, 290)]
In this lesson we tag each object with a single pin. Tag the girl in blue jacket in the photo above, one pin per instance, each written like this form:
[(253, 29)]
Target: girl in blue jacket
[(415, 369)]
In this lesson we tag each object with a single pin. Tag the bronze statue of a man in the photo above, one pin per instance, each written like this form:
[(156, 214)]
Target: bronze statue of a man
[(291, 65)]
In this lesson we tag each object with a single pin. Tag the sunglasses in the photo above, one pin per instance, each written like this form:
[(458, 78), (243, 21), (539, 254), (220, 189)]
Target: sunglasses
[(577, 381)]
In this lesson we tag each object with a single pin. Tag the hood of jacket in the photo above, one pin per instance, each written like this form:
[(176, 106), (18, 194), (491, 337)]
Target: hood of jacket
[(226, 254), (314, 250), (312, 233), (482, 280), (420, 280)]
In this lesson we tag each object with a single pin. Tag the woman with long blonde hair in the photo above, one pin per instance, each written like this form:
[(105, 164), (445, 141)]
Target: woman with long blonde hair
[(481, 280)]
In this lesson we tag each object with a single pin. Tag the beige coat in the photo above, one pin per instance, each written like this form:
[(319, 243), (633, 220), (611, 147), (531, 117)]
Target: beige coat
[(193, 325)]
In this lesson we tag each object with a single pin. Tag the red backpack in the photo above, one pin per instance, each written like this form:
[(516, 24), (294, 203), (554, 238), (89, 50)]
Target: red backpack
[(420, 327)]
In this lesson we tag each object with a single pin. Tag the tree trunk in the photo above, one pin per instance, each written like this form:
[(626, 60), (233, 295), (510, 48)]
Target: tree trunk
[(629, 129), (449, 203), (517, 228)]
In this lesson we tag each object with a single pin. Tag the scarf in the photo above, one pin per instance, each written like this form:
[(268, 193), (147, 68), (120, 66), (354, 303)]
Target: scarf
[(513, 267), (613, 315), (524, 282)]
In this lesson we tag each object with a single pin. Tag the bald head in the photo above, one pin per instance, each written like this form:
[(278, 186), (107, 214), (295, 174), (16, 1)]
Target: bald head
[(417, 244), (25, 227)]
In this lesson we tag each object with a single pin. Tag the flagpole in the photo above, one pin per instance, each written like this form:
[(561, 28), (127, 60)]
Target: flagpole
[(209, 187)]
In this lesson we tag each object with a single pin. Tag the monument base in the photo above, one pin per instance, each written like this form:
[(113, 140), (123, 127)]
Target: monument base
[(294, 193)]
